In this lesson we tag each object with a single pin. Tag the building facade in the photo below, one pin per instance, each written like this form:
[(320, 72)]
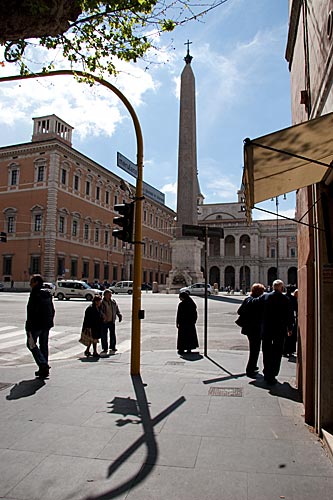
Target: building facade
[(309, 54), (57, 209), (259, 252)]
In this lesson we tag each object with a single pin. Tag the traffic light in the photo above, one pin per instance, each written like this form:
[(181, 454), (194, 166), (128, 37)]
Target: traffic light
[(3, 237), (126, 222)]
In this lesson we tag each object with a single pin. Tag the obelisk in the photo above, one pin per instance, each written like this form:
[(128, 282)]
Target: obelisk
[(186, 251)]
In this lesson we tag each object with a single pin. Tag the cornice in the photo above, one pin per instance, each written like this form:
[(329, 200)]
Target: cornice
[(293, 27)]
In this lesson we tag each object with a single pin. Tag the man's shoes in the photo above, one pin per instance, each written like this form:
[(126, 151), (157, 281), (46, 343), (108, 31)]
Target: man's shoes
[(113, 351), (252, 374), (43, 372), (181, 352), (104, 353), (96, 355), (87, 353)]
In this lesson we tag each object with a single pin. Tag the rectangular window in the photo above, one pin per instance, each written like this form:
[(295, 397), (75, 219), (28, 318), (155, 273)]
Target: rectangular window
[(40, 173), (61, 224), (74, 228), (38, 223), (86, 232), (145, 216), (96, 234), (107, 197), (63, 176), (61, 266), (96, 270), (87, 188), (13, 178), (273, 253), (106, 238), (10, 224), (98, 192), (292, 252), (85, 272), (7, 265), (115, 273), (106, 272), (76, 182), (73, 268), (35, 265), (115, 200)]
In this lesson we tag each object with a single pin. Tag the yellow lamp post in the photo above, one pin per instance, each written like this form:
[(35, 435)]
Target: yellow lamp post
[(136, 299)]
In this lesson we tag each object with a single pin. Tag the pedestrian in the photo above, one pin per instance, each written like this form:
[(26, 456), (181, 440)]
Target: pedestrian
[(289, 347), (277, 320), (250, 320), (40, 317), (185, 322), (110, 311), (93, 320)]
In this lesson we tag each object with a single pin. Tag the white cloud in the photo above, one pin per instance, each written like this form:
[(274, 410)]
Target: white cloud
[(91, 110)]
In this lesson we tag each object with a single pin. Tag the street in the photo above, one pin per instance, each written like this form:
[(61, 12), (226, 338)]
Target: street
[(158, 330)]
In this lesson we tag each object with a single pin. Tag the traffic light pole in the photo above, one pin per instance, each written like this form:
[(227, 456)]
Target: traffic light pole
[(136, 298)]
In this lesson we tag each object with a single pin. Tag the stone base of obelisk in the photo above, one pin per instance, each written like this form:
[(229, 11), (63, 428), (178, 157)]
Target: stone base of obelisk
[(186, 264)]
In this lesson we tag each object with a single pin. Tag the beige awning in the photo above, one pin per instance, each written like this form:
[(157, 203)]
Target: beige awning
[(287, 160)]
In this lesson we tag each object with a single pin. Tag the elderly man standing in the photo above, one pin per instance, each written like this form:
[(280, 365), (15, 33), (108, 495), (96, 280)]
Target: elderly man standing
[(277, 322), (110, 311)]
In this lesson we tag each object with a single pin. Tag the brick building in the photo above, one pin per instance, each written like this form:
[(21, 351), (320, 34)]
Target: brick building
[(57, 208)]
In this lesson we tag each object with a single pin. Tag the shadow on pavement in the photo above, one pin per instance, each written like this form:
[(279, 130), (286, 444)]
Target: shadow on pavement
[(232, 300), (25, 388), (284, 390), (220, 379), (137, 408), (192, 356)]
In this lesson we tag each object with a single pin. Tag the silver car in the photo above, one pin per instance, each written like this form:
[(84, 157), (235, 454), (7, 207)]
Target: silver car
[(197, 289)]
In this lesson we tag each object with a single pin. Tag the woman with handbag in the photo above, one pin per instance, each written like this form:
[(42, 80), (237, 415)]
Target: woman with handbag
[(250, 321), (92, 326)]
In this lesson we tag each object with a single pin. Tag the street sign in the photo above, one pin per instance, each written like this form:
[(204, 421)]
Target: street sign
[(127, 165), (200, 231), (132, 169)]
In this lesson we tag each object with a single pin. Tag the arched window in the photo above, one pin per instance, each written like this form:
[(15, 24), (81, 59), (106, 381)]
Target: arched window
[(271, 275), (214, 275), (244, 245), (229, 277), (214, 247), (292, 276), (229, 246)]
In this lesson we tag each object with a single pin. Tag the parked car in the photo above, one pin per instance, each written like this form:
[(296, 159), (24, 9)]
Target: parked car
[(146, 286), (122, 287), (49, 286), (197, 289), (1, 287), (68, 289)]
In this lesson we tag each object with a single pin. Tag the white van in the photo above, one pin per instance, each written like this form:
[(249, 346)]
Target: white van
[(122, 287)]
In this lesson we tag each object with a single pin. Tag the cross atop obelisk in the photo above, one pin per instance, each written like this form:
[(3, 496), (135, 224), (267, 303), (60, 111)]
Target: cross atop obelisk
[(188, 58)]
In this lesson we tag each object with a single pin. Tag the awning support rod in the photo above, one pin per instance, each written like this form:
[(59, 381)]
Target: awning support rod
[(289, 218), (248, 142)]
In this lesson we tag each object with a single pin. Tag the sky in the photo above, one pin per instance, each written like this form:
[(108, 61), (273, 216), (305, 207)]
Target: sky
[(242, 90)]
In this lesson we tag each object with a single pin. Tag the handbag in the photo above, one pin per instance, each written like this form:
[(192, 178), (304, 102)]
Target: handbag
[(86, 336)]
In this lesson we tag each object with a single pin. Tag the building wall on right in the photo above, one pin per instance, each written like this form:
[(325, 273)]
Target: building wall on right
[(309, 54)]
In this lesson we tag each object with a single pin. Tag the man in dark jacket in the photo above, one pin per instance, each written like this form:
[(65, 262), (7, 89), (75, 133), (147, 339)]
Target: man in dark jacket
[(40, 314), (277, 321)]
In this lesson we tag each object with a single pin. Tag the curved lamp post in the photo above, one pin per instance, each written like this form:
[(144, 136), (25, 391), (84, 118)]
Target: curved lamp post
[(136, 300)]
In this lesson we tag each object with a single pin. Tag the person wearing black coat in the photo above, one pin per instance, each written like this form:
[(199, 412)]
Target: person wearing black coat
[(40, 315), (93, 319), (185, 322), (277, 321), (251, 327)]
